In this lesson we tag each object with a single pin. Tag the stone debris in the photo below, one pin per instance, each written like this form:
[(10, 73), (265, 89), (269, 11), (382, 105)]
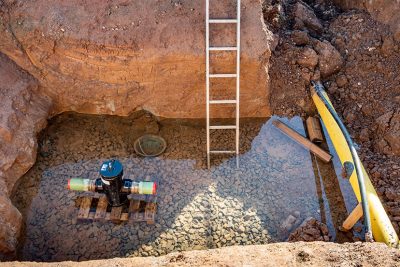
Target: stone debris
[(330, 60), (197, 208), (310, 230), (300, 37), (305, 18), (358, 61), (308, 58)]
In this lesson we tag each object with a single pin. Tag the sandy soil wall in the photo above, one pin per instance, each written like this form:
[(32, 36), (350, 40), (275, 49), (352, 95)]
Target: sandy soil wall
[(117, 57)]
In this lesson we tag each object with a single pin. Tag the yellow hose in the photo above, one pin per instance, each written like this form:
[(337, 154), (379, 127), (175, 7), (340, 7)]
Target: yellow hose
[(382, 228)]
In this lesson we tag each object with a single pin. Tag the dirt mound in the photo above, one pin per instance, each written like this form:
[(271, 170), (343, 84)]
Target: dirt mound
[(358, 61), (280, 254), (386, 12), (310, 230), (367, 93)]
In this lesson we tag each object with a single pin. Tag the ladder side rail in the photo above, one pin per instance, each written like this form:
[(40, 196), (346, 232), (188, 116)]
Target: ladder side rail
[(208, 79), (238, 79)]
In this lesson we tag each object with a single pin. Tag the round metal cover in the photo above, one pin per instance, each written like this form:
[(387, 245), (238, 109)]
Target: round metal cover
[(150, 145)]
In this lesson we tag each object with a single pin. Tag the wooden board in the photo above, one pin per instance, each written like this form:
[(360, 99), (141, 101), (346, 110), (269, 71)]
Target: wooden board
[(115, 215), (319, 152), (352, 219), (84, 208), (314, 129), (150, 212), (139, 210), (101, 209)]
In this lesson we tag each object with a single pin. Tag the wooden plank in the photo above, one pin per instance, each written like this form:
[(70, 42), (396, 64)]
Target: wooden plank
[(84, 208), (124, 216), (319, 152), (314, 129), (138, 210), (136, 213), (150, 212), (101, 208), (353, 218), (115, 215), (134, 205)]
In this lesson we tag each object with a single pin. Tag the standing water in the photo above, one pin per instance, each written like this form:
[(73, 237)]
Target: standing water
[(278, 185)]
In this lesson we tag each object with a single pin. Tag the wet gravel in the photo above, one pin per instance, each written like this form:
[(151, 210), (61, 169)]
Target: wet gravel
[(197, 208)]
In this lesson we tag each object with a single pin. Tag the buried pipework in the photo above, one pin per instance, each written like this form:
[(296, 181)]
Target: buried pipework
[(112, 184), (319, 89)]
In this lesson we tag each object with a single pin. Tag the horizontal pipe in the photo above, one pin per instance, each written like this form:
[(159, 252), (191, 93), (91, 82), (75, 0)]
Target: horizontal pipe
[(129, 186), (81, 184)]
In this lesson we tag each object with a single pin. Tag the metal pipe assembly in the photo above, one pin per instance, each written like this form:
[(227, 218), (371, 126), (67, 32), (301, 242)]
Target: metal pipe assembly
[(112, 184), (319, 89)]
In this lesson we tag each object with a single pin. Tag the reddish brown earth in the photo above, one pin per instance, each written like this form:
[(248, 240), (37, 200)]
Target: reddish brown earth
[(84, 58), (384, 11), (23, 115), (121, 56), (112, 58), (363, 82)]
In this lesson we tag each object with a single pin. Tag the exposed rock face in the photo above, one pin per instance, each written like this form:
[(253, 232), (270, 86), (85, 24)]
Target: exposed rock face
[(10, 225), (23, 113), (119, 57), (393, 134), (300, 37)]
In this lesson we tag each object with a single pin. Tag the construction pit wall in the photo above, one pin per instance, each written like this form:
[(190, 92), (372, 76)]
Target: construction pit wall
[(142, 55)]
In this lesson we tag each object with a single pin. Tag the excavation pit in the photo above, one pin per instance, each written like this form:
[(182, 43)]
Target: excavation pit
[(279, 184)]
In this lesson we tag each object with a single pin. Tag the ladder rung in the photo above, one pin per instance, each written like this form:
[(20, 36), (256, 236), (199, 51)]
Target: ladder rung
[(223, 151), (222, 127), (223, 101), (223, 21), (222, 75), (223, 48)]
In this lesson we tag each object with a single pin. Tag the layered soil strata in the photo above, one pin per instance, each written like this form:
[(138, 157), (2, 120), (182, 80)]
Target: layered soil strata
[(115, 58)]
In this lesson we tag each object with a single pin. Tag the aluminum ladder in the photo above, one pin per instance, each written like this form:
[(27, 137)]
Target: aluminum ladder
[(209, 76)]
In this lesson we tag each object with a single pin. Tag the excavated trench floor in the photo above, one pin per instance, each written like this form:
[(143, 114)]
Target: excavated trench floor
[(277, 181)]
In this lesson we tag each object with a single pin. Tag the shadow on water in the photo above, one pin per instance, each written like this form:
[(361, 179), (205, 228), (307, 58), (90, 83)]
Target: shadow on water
[(197, 208)]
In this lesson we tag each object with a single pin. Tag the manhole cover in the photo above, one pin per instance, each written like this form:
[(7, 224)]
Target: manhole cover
[(150, 145)]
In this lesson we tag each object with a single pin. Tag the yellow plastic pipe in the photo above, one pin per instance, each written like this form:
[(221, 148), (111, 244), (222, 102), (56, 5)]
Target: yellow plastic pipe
[(382, 228)]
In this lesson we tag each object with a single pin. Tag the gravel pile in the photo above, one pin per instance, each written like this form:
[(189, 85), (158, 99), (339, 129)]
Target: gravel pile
[(197, 208)]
